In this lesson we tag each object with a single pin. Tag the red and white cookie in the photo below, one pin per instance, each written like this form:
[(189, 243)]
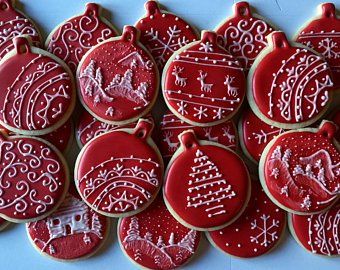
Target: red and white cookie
[(74, 231), (244, 34), (202, 83), (38, 90), (318, 233), (118, 79), (335, 117), (73, 38), (298, 90), (34, 178), (153, 239), (256, 232), (323, 35), (163, 33), (255, 134), (300, 169), (13, 23), (3, 224), (207, 185), (120, 173), (171, 126)]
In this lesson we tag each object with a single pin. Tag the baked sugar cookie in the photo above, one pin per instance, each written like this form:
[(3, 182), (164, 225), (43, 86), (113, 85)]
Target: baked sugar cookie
[(300, 169), (119, 173), (163, 33), (207, 185), (153, 239), (256, 232), (3, 224), (289, 86), (118, 79), (73, 38), (202, 83)]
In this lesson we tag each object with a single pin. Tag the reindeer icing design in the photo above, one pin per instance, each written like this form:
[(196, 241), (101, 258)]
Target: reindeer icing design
[(205, 87), (232, 91), (179, 80), (172, 145)]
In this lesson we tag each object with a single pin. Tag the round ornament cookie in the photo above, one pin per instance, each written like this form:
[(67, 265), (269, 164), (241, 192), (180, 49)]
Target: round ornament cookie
[(13, 23), (255, 134), (120, 172), (73, 38), (298, 90), (318, 233), (74, 231), (38, 90), (256, 232), (118, 79), (163, 33), (300, 169), (207, 185), (153, 239), (34, 178), (244, 34), (3, 224), (171, 126), (202, 83)]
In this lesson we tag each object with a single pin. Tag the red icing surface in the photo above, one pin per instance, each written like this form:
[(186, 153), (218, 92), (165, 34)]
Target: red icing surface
[(206, 185), (13, 24), (204, 84), (323, 35), (290, 84), (336, 119), (163, 33), (124, 176), (118, 80), (257, 231), (319, 233), (244, 35), (154, 239), (71, 40), (302, 170)]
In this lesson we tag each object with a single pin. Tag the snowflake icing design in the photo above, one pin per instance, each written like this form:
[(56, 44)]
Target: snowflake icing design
[(328, 46), (201, 112), (267, 234), (181, 107), (206, 47)]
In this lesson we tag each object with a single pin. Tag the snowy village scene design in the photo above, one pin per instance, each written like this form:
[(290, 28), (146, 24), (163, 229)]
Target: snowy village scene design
[(73, 230)]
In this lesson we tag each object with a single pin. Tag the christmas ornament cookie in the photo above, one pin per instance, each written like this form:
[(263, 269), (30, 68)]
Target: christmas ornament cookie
[(172, 126), (300, 169), (207, 185), (297, 93), (163, 33), (13, 23), (74, 231), (153, 239), (336, 119), (244, 34), (318, 233), (202, 83), (73, 38), (118, 79), (120, 172), (3, 224), (323, 35), (34, 178), (256, 232), (255, 134), (38, 90)]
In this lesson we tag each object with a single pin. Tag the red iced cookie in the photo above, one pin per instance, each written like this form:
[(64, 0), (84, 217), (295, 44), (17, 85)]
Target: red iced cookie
[(120, 172), (256, 232), (336, 119), (3, 224), (255, 135), (13, 23), (72, 232), (289, 86), (300, 170), (244, 34), (153, 239), (202, 83), (207, 185), (172, 126), (323, 35), (118, 79), (318, 233), (74, 37), (33, 179), (163, 33)]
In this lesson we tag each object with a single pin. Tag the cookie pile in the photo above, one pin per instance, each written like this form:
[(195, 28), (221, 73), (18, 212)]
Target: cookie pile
[(171, 177)]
